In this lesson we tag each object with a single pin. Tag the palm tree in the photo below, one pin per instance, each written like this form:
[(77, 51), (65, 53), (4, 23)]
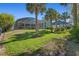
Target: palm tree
[(44, 22), (57, 17), (64, 4), (36, 8), (65, 16), (51, 15), (74, 12)]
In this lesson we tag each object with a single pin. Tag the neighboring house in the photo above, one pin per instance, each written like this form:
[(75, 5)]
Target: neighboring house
[(62, 24), (59, 23), (27, 23)]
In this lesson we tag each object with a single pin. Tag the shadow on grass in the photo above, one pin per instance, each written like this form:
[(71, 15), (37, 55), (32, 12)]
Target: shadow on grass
[(30, 53), (68, 51), (25, 36)]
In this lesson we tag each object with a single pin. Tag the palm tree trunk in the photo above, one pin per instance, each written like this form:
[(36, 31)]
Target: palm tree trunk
[(45, 25), (24, 25), (75, 14), (36, 23), (65, 27), (36, 17), (56, 24), (51, 26)]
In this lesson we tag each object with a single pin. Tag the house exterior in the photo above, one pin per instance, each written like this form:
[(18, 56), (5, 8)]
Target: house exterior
[(27, 23), (59, 23), (62, 24)]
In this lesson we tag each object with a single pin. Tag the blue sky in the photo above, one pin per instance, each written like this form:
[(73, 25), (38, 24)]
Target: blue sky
[(18, 9)]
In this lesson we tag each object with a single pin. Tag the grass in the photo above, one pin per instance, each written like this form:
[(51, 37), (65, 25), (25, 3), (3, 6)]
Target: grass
[(21, 41)]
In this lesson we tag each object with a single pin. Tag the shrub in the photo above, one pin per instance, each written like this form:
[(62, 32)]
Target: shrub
[(6, 21), (75, 34)]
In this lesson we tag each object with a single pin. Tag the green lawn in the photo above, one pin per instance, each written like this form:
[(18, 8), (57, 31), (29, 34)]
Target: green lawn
[(20, 41)]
